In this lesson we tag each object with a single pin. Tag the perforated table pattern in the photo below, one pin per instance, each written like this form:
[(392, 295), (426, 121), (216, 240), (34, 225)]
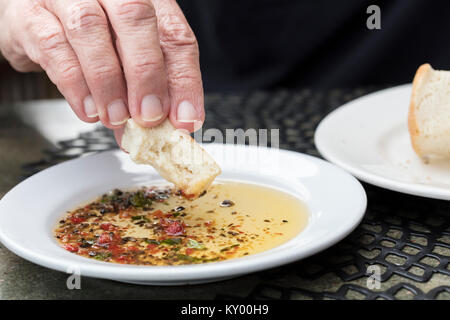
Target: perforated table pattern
[(405, 238)]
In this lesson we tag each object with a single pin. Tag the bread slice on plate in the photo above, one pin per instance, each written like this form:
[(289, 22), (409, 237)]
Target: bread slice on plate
[(173, 153), (429, 114)]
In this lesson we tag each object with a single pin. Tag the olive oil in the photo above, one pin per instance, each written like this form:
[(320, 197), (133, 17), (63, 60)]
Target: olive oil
[(230, 220)]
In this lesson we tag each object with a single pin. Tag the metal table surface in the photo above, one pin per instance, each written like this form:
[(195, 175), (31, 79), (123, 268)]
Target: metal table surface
[(407, 237)]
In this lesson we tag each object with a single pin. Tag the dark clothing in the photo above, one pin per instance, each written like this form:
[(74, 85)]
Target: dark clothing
[(264, 44)]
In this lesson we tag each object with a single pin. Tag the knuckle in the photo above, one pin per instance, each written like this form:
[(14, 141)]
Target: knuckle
[(145, 65), (83, 16), (49, 40), (136, 11), (101, 73), (176, 33)]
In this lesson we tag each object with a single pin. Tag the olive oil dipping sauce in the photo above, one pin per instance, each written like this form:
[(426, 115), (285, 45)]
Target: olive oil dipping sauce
[(158, 226)]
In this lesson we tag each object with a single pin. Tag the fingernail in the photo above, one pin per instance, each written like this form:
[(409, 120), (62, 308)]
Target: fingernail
[(187, 113), (151, 108), (89, 107), (117, 113)]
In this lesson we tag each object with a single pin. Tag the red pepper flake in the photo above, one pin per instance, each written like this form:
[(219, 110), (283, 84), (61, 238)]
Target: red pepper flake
[(158, 214), (104, 238), (187, 196), (172, 227), (71, 247), (124, 259), (153, 248), (107, 226), (77, 220), (115, 250), (189, 251), (124, 214)]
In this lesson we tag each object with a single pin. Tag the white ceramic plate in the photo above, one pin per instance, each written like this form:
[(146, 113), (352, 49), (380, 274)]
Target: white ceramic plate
[(369, 138), (28, 213)]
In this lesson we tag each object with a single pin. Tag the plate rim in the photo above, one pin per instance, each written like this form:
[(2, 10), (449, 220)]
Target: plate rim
[(232, 267), (421, 190)]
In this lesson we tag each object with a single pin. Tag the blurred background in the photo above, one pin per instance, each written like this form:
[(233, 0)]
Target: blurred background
[(272, 44)]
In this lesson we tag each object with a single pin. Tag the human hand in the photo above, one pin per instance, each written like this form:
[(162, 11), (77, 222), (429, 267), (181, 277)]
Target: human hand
[(111, 59)]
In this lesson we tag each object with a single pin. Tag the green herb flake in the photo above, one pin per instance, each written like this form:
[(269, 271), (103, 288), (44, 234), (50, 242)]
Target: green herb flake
[(172, 241), (138, 199), (102, 256), (152, 241), (135, 218), (195, 244)]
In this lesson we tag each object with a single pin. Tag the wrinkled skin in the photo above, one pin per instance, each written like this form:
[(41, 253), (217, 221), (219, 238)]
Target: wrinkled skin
[(111, 59)]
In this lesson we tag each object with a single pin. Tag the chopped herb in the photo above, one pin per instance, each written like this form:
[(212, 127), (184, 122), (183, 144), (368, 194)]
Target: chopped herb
[(135, 218), (102, 255), (140, 200), (195, 244), (172, 241), (152, 241), (188, 258)]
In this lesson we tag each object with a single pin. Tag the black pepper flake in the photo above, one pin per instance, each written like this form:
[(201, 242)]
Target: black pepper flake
[(178, 209), (266, 220), (118, 192), (227, 203), (285, 221)]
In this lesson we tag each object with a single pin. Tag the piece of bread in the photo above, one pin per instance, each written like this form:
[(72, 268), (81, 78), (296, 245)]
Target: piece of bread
[(429, 114), (173, 153)]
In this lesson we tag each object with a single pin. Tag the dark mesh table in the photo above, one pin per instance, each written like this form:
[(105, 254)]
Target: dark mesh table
[(407, 237)]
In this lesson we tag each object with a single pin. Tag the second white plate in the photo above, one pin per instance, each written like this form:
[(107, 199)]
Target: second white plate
[(369, 138)]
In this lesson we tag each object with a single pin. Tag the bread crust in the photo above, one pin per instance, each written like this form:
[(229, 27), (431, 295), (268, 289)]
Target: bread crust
[(414, 131)]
